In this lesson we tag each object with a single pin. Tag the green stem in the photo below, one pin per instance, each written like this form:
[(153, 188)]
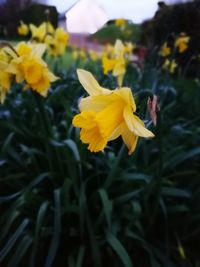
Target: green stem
[(43, 115), (159, 169), (113, 171)]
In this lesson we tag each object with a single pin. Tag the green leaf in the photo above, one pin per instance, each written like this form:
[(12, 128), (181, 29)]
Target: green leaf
[(56, 230), (22, 248), (39, 222), (73, 147), (12, 215), (13, 239), (175, 192), (107, 205), (79, 262), (119, 249), (127, 197)]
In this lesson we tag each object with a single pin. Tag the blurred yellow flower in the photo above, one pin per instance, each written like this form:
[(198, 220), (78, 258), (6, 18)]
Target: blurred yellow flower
[(128, 49), (57, 42), (106, 115), (170, 65), (61, 36), (6, 55), (75, 54), (108, 64), (30, 67), (93, 55), (115, 61), (5, 84), (182, 42), (82, 54), (23, 29), (165, 50), (39, 33), (120, 22)]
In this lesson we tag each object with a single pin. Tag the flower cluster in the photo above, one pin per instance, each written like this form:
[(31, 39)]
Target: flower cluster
[(55, 39), (167, 52), (24, 64), (115, 59)]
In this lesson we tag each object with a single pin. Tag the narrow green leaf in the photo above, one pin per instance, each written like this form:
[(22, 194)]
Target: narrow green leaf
[(9, 221), (79, 262), (175, 192), (119, 249), (39, 222), (10, 197), (56, 230), (22, 248), (127, 197), (107, 206), (11, 242)]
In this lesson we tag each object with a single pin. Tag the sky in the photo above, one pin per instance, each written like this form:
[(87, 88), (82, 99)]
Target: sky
[(136, 10)]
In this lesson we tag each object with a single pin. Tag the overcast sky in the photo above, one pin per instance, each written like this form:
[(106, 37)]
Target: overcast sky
[(137, 10)]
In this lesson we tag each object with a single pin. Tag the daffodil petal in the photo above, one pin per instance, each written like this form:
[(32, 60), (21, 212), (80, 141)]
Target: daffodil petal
[(119, 68), (97, 102), (129, 138), (90, 84), (119, 48), (136, 125), (116, 133), (38, 50), (126, 94)]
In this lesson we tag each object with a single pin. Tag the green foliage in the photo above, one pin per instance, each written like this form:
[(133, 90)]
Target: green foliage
[(110, 33), (64, 206), (168, 22)]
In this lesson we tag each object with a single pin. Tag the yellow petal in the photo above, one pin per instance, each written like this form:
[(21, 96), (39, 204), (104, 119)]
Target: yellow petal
[(120, 79), (110, 117), (127, 95), (38, 50), (23, 49), (97, 102), (136, 125), (84, 120), (119, 49), (129, 138), (52, 77), (119, 68), (116, 133), (90, 84), (108, 64), (42, 86)]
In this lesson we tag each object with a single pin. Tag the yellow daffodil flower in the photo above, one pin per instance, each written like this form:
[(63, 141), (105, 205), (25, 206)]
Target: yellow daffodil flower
[(39, 33), (182, 42), (115, 62), (170, 65), (23, 29), (30, 67), (128, 49), (120, 22), (57, 43), (82, 54), (108, 64), (5, 84), (6, 55), (61, 36), (106, 115), (165, 50), (75, 54), (93, 55)]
